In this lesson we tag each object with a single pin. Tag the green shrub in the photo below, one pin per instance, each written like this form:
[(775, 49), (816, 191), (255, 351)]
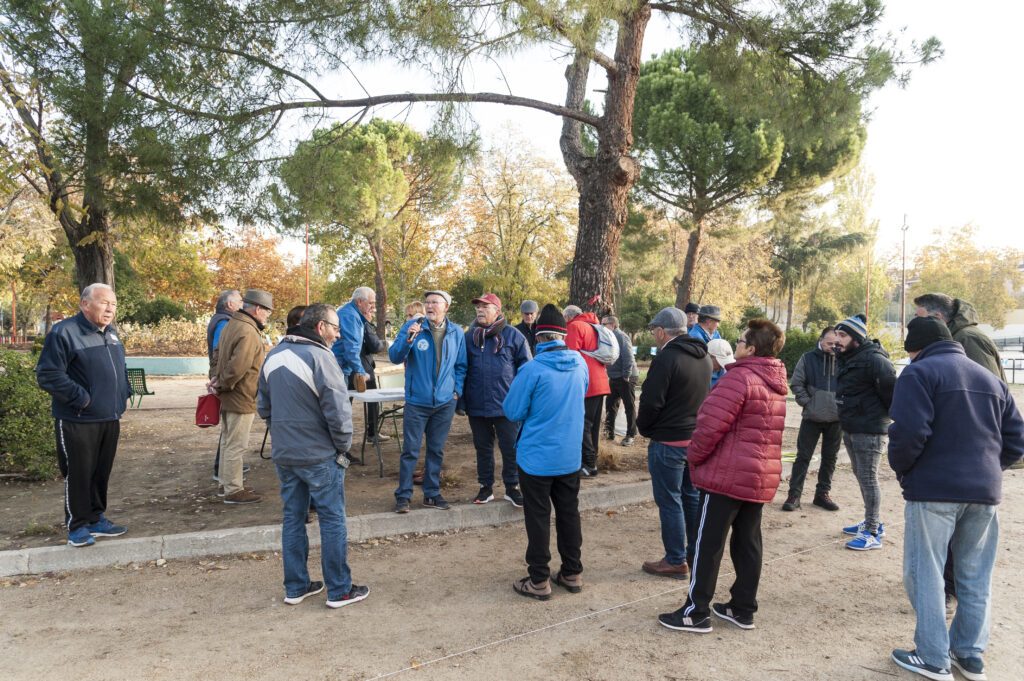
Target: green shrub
[(156, 310), (644, 341), (797, 343), (27, 444)]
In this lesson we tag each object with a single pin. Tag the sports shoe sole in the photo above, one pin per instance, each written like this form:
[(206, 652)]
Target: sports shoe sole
[(298, 599), (446, 507), (80, 544), (863, 548), (348, 601), (517, 504), (694, 628), (972, 676), (484, 501), (729, 618)]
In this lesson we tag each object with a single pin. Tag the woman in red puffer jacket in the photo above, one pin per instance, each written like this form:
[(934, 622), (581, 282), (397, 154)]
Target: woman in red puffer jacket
[(735, 460)]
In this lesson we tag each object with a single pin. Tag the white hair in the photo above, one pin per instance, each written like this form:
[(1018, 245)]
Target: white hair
[(88, 290), (362, 293), (571, 312)]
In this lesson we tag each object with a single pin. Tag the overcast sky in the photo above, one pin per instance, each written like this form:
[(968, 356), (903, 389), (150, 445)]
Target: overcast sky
[(944, 150)]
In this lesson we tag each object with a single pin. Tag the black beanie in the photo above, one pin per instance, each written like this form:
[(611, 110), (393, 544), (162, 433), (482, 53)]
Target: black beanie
[(550, 320), (923, 331)]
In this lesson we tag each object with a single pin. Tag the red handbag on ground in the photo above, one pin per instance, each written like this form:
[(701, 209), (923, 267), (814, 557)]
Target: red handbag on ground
[(208, 411)]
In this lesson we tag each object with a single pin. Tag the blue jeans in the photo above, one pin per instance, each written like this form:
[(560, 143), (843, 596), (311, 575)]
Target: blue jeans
[(678, 502), (325, 484), (485, 429), (417, 422), (974, 531)]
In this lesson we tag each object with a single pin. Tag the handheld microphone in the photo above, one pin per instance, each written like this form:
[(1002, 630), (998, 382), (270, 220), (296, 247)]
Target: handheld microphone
[(412, 334)]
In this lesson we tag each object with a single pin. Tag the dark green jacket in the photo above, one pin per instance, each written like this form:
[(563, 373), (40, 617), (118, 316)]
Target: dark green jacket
[(978, 346)]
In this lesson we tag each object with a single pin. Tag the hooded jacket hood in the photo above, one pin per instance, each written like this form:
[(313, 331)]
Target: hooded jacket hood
[(554, 354), (688, 344), (771, 370), (965, 315)]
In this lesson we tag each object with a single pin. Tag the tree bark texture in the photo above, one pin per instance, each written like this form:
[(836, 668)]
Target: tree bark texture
[(684, 284), (605, 179)]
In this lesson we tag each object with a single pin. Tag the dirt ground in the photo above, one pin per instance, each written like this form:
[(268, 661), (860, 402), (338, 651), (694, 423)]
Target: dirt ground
[(162, 478), (442, 607)]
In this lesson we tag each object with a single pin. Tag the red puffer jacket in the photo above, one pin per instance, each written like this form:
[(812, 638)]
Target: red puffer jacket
[(736, 448), (582, 336)]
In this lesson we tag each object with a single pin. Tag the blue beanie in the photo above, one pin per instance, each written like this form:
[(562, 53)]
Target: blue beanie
[(855, 326)]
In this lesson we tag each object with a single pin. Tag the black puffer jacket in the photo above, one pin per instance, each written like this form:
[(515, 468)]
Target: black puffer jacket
[(814, 386), (865, 382), (676, 385)]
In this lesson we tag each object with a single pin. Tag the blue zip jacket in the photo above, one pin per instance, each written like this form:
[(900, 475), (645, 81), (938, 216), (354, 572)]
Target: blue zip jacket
[(547, 397), (81, 365), (699, 333), (350, 343), (954, 428), (424, 385), (489, 375)]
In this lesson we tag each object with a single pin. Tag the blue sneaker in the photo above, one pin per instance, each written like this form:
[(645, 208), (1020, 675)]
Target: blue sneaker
[(857, 529), (104, 528), (909, 660), (80, 537), (865, 541), (971, 666)]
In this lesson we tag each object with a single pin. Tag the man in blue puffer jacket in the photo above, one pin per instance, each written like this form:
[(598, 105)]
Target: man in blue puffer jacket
[(82, 367), (494, 353), (435, 371), (955, 430), (547, 397)]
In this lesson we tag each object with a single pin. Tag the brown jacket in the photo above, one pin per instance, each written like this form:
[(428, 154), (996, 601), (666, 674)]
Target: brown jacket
[(236, 364)]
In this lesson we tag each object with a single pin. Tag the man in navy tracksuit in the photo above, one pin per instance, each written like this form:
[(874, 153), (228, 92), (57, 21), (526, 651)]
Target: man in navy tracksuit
[(82, 367), (434, 353), (955, 429), (494, 353)]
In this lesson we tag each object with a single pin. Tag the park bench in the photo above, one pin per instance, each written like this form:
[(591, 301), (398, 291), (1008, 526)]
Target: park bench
[(137, 379)]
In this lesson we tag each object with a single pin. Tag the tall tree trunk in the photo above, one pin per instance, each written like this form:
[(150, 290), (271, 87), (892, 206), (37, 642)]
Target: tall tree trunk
[(789, 307), (603, 180), (93, 251), (684, 283), (380, 288), (48, 323)]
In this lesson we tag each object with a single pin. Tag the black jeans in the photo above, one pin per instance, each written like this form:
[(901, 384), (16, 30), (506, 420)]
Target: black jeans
[(831, 435), (623, 390), (539, 494), (85, 454), (719, 514), (485, 429), (591, 429), (371, 410)]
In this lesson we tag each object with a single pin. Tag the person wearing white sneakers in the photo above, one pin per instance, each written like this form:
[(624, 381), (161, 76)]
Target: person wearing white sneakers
[(864, 386)]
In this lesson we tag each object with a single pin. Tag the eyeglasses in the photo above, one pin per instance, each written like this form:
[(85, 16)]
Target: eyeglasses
[(740, 340), (336, 326)]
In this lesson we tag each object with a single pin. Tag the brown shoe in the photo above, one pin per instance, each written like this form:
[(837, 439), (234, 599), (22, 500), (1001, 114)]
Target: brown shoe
[(571, 583), (825, 501), (663, 568), (243, 496), (220, 490), (525, 587)]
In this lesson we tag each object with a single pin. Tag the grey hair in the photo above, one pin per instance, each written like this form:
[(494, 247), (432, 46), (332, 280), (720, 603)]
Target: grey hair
[(88, 290), (225, 296), (362, 293), (553, 335), (571, 311), (316, 313), (249, 307), (674, 332), (937, 303), (610, 319)]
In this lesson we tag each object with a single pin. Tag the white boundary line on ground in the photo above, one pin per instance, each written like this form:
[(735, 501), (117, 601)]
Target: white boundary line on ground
[(508, 639)]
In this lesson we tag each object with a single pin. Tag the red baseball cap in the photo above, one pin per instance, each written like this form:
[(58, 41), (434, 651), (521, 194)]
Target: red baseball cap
[(488, 298)]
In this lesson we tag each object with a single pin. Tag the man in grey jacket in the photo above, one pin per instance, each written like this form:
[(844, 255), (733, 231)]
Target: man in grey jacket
[(622, 379), (814, 386), (303, 399)]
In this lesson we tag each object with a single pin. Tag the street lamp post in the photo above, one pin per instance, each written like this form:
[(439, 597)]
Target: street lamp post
[(903, 283)]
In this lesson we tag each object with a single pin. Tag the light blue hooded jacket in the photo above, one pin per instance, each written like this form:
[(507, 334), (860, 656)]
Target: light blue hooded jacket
[(426, 386), (546, 396)]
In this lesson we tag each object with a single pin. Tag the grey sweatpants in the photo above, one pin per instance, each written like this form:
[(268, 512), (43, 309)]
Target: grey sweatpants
[(865, 450)]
